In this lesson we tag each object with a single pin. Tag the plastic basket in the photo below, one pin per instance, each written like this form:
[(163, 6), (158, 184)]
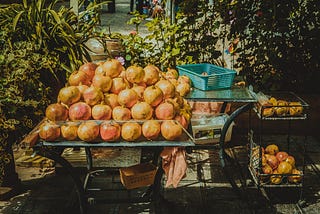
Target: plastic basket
[(139, 175), (216, 77)]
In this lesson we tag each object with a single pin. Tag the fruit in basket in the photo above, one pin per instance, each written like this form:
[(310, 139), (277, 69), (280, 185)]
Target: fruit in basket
[(56, 112), (263, 160), (121, 113), (282, 108), (79, 77), (296, 177), (101, 112), (171, 130), (102, 82), (268, 111), (130, 131), (153, 95), (118, 84), (284, 168), (272, 161), (165, 111), (69, 131), (151, 129), (88, 131), (69, 95), (80, 111), (290, 159), (127, 97), (267, 169), (167, 88), (93, 96), (295, 108), (49, 131), (275, 178), (183, 89), (141, 111), (110, 131), (135, 74), (112, 68), (111, 100), (273, 101), (88, 68), (272, 149), (151, 75), (281, 156)]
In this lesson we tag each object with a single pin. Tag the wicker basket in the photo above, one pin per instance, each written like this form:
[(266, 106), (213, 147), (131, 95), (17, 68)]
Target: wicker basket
[(206, 76), (139, 175)]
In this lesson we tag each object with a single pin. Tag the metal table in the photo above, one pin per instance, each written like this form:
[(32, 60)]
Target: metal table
[(53, 150)]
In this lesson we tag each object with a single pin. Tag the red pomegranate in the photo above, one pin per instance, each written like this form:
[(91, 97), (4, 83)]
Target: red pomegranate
[(183, 89), (170, 130), (165, 111), (49, 131), (141, 111), (111, 100), (69, 131), (281, 156), (130, 131), (182, 120), (79, 77), (121, 113), (151, 129), (102, 82), (93, 96), (88, 68), (110, 131), (167, 88), (101, 112), (134, 74), (153, 95), (127, 97), (272, 161), (80, 111), (88, 131), (151, 74), (69, 95), (56, 112), (112, 68), (118, 84)]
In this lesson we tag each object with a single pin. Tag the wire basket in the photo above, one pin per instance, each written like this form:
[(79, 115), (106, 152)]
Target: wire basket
[(206, 76)]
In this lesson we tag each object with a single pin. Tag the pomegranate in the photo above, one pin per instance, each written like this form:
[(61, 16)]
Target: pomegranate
[(290, 159), (171, 74), (99, 71), (165, 111), (93, 96), (79, 77), (130, 131), (80, 111), (118, 84), (135, 74), (174, 103), (167, 88), (49, 131), (296, 177), (174, 81), (101, 112), (88, 131), (182, 120), (111, 100), (276, 178), (88, 68), (127, 97), (69, 131), (184, 79), (112, 68), (82, 88), (272, 161), (281, 156), (102, 82), (272, 149), (139, 90), (267, 169), (151, 129), (121, 113), (170, 130), (284, 168), (69, 95), (110, 131), (183, 89), (153, 95), (151, 75), (56, 112), (141, 111)]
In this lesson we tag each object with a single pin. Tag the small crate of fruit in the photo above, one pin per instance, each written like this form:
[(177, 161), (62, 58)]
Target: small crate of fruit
[(283, 105), (270, 166)]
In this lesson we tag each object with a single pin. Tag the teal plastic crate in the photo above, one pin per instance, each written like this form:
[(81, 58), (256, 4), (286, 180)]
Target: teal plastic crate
[(216, 78)]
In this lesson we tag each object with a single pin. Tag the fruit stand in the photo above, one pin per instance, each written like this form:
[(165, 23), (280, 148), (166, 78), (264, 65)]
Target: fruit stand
[(142, 116)]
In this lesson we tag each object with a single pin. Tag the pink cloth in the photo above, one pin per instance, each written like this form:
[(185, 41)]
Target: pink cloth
[(208, 107), (174, 164)]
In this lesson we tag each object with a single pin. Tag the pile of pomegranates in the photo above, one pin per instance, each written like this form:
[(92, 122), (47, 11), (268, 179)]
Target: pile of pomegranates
[(105, 102), (278, 166)]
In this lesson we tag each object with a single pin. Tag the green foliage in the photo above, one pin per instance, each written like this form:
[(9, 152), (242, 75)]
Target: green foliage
[(279, 43)]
